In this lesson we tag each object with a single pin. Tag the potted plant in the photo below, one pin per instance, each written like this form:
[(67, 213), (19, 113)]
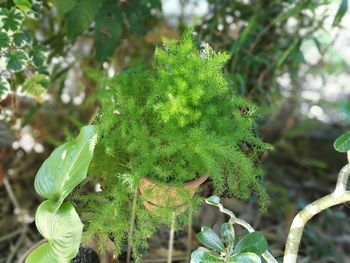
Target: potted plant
[(163, 131)]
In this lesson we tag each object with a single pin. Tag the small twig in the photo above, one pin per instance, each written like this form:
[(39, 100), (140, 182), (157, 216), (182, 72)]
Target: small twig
[(18, 243), (171, 238), (11, 194)]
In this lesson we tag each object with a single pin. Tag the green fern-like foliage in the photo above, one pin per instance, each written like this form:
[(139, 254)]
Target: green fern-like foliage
[(174, 122)]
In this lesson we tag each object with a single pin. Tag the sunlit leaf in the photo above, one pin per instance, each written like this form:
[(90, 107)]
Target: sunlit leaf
[(66, 167), (252, 243), (42, 254), (342, 143), (210, 239), (61, 228), (24, 5)]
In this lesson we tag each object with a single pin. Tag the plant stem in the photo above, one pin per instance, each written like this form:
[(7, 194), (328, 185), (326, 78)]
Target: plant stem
[(339, 196), (171, 238), (132, 225), (189, 233)]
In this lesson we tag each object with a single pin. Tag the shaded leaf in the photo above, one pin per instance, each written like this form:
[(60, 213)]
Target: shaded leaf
[(81, 17), (210, 239), (21, 38), (253, 243), (64, 6), (244, 258), (228, 234), (16, 60), (61, 228), (202, 255), (4, 40), (66, 167), (343, 8), (108, 30), (37, 55), (342, 143)]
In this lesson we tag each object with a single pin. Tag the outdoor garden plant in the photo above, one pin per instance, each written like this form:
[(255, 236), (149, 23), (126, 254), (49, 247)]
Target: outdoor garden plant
[(164, 130)]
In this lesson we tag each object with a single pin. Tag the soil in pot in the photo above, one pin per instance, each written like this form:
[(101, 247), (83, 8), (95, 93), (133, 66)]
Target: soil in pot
[(86, 255)]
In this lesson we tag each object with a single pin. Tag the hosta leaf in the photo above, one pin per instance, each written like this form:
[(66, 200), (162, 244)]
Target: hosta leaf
[(42, 254), (228, 234), (253, 243), (24, 5), (213, 200), (81, 17), (16, 60), (342, 144), (244, 258), (4, 40), (11, 19), (64, 6), (4, 88), (210, 239), (61, 228), (108, 29), (204, 256), (66, 167)]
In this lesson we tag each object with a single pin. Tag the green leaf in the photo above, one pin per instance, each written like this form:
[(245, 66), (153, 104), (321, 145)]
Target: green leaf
[(81, 17), (38, 56), (66, 167), (244, 258), (21, 38), (228, 234), (42, 254), (342, 143), (11, 19), (4, 88), (24, 5), (4, 40), (210, 239), (213, 200), (64, 6), (61, 228), (343, 8), (16, 60), (254, 242), (108, 30), (36, 85), (202, 255)]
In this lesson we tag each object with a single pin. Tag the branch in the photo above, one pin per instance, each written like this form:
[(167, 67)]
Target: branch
[(340, 195)]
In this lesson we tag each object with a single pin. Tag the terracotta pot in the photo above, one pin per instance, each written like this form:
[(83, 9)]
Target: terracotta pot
[(159, 194)]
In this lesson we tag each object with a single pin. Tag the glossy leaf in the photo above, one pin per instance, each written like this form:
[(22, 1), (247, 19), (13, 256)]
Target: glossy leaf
[(343, 8), (42, 254), (81, 17), (213, 200), (62, 229), (66, 167), (108, 29), (228, 234), (202, 255), (16, 60), (21, 38), (342, 143), (253, 243), (210, 239), (244, 258)]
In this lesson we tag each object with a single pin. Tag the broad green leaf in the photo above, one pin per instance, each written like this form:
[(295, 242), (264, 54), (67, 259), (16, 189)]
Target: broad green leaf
[(342, 143), (66, 167), (213, 200), (36, 85), (21, 38), (4, 40), (81, 17), (108, 29), (202, 255), (61, 228), (64, 6), (244, 258), (253, 243), (343, 8), (228, 234), (4, 88), (38, 56), (24, 5), (16, 60), (42, 254), (11, 19), (209, 238)]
